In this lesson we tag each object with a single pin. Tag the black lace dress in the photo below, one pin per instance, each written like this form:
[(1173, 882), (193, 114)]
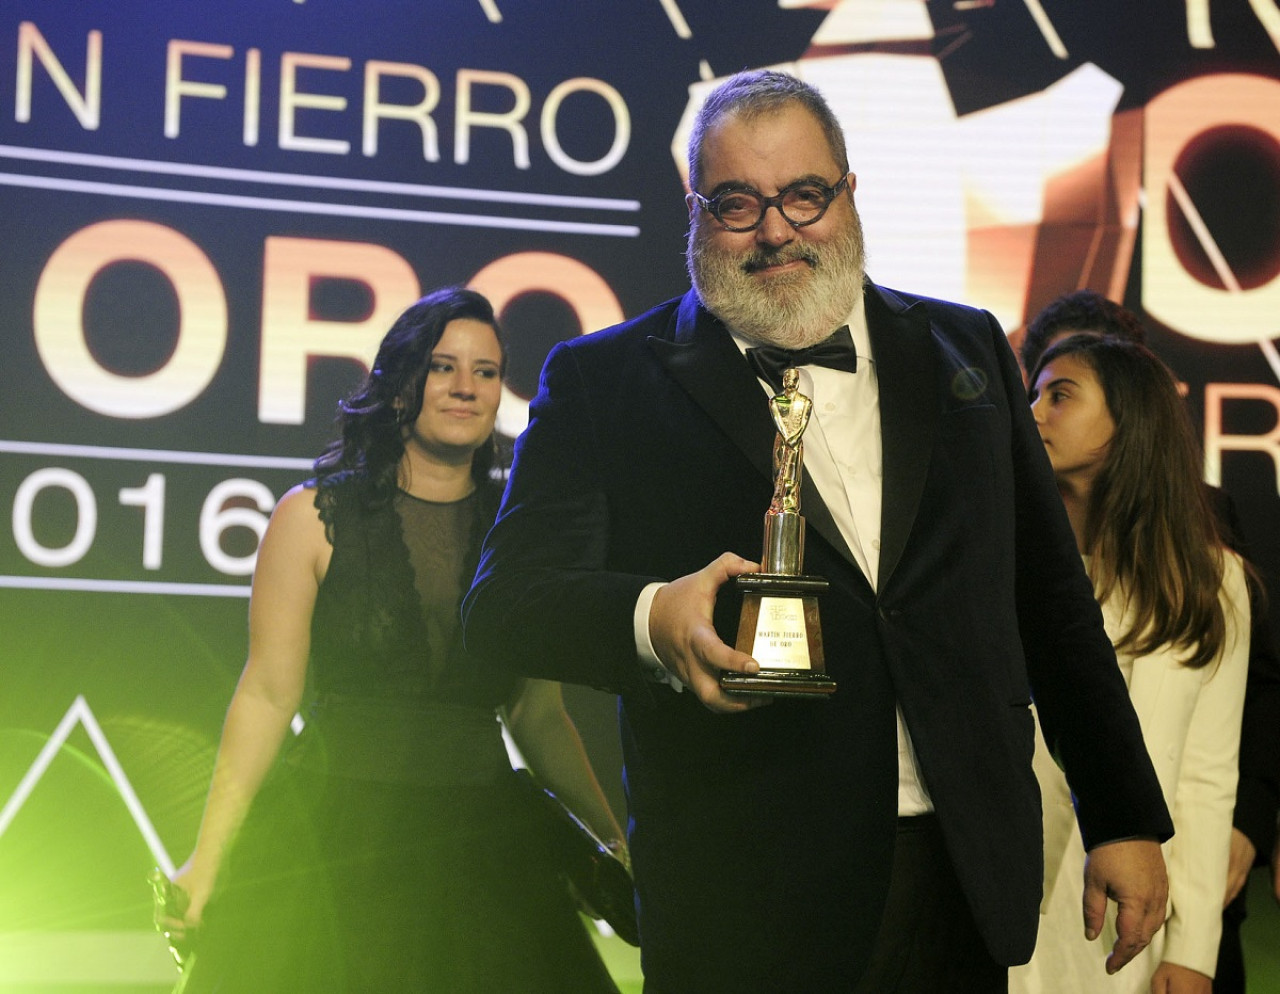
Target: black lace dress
[(391, 850)]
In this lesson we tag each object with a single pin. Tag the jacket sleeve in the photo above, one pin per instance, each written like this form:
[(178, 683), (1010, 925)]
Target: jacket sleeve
[(543, 603), (1205, 792)]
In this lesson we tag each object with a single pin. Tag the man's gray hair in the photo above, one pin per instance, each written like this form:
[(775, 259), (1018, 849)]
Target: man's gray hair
[(755, 92)]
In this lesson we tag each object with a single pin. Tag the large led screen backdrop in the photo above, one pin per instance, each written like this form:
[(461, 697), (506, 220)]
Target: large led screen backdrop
[(209, 213)]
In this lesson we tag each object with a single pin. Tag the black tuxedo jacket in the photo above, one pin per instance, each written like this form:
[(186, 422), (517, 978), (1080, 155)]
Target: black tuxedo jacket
[(762, 841)]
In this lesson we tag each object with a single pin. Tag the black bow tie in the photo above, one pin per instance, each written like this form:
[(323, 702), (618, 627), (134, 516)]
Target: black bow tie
[(836, 352)]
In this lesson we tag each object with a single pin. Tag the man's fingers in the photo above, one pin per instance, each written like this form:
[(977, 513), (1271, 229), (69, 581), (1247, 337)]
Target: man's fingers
[(722, 702), (728, 565), (707, 687), (685, 641), (716, 655), (712, 658), (1135, 925), (1130, 872), (1095, 909)]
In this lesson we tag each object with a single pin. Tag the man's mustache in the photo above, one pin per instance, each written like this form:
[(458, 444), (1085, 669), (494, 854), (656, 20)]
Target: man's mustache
[(763, 258)]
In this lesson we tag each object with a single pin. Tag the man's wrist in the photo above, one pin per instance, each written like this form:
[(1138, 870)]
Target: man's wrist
[(1125, 838), (645, 652)]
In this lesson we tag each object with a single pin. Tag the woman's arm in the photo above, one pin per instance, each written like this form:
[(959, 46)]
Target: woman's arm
[(548, 740), (291, 561), (1204, 796)]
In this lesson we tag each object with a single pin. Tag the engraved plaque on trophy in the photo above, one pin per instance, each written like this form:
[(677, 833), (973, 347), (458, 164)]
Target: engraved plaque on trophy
[(779, 625)]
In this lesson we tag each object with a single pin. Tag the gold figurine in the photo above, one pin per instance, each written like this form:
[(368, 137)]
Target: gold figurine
[(779, 625), (790, 410)]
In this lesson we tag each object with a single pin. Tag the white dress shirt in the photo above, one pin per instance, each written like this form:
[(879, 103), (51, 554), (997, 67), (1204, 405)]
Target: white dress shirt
[(843, 458)]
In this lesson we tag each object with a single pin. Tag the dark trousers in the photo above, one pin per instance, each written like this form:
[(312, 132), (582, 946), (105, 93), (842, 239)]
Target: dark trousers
[(1229, 976), (928, 942)]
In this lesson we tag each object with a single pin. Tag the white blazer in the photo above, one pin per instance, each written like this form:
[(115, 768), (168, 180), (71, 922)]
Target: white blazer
[(1190, 722)]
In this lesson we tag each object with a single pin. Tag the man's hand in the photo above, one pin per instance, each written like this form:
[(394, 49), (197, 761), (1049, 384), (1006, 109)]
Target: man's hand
[(1243, 854), (685, 640), (1132, 874), (1170, 978)]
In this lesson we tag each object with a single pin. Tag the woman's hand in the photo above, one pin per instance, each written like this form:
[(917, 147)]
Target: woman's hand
[(177, 913), (191, 891), (1170, 978), (1242, 856)]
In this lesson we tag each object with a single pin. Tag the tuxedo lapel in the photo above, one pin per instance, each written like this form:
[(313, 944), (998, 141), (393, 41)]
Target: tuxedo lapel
[(905, 368), (702, 357)]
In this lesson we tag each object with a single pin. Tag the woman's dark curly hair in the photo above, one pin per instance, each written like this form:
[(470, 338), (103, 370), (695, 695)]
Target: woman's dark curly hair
[(373, 417)]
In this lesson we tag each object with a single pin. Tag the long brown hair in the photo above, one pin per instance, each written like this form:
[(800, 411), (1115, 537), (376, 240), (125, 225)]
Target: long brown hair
[(1149, 529)]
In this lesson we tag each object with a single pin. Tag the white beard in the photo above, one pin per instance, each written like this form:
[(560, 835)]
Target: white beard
[(792, 310)]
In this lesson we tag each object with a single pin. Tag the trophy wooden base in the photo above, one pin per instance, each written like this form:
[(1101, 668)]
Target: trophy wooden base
[(779, 628), (778, 683)]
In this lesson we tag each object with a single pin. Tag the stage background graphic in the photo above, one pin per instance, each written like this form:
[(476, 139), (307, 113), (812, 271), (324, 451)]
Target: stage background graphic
[(210, 213)]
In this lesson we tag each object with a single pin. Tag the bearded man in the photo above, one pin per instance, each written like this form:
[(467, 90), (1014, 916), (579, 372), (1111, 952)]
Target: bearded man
[(887, 837)]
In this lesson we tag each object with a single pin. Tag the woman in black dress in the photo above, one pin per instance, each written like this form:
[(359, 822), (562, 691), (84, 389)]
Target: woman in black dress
[(387, 846)]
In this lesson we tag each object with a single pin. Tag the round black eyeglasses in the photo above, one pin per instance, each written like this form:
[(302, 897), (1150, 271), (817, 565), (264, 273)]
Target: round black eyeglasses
[(799, 204)]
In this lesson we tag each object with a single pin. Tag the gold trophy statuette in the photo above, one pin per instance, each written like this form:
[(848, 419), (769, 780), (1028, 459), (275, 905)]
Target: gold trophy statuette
[(779, 626)]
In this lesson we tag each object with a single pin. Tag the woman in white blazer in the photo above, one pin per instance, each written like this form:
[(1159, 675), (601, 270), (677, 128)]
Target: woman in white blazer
[(1176, 606)]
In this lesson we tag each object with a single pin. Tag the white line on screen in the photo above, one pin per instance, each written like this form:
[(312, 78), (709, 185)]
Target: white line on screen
[(153, 455), (124, 586), (315, 207), (312, 181)]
